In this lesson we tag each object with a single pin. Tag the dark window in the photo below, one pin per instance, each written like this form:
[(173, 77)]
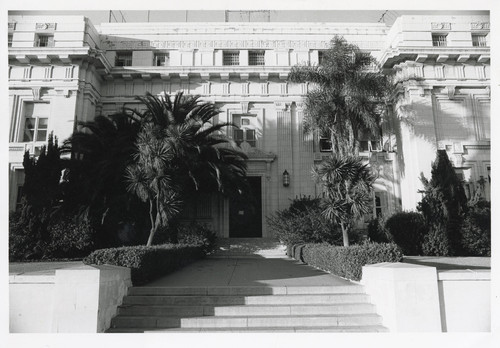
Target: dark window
[(321, 57), (44, 40), (35, 122), (325, 144), (479, 40), (162, 59), (9, 40), (439, 40), (231, 58), (256, 58), (123, 59)]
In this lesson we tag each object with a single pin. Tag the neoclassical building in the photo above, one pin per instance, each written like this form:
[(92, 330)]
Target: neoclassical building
[(64, 69)]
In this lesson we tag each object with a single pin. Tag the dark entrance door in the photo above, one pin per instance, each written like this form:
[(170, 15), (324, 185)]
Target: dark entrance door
[(245, 212)]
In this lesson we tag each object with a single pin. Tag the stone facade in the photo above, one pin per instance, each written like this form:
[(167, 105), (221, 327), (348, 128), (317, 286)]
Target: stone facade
[(64, 69)]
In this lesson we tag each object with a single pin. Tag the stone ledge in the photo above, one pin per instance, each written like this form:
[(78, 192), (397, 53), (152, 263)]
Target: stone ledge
[(464, 275)]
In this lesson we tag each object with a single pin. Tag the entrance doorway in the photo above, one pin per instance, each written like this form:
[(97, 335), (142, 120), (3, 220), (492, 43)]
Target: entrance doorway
[(245, 212)]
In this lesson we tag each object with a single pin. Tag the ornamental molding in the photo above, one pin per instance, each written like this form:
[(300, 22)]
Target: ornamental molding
[(244, 107), (451, 90), (215, 44), (36, 93), (480, 26), (441, 26), (45, 26), (12, 25), (282, 106)]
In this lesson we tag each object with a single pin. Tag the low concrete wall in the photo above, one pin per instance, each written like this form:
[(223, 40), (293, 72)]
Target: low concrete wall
[(417, 298), (465, 297), (82, 299), (31, 301)]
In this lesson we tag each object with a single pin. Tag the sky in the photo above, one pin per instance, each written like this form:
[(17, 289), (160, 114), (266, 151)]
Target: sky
[(194, 15)]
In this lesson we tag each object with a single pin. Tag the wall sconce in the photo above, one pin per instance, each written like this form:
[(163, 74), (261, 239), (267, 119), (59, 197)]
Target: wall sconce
[(286, 179)]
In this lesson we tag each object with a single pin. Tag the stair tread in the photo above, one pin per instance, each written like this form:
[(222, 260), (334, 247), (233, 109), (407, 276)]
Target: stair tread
[(253, 316), (360, 328)]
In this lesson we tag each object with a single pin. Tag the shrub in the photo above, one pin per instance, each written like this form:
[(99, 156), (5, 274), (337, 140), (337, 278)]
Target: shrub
[(476, 230), (64, 238), (147, 263), (348, 261), (304, 222), (436, 243), (407, 230), (377, 232), (195, 233)]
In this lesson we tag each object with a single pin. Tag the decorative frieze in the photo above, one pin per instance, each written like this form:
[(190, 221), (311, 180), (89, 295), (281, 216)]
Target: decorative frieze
[(224, 44), (441, 26), (45, 26), (480, 26)]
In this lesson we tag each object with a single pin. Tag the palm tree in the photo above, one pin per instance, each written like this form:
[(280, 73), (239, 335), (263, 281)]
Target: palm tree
[(347, 183), (94, 183), (179, 152), (348, 99)]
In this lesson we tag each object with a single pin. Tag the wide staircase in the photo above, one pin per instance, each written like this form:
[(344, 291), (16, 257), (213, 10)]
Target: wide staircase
[(296, 305)]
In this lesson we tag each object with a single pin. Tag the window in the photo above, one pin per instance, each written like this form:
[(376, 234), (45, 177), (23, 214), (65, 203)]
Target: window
[(245, 135), (9, 40), (36, 122), (162, 59), (325, 144), (439, 40), (378, 204), (44, 40), (231, 58), (256, 58), (123, 59), (369, 146), (479, 40), (321, 57)]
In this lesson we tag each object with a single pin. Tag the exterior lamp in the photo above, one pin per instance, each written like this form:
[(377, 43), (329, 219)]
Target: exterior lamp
[(286, 179)]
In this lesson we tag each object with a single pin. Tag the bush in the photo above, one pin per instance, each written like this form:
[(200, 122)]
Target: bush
[(407, 230), (303, 222), (348, 261), (436, 243), (377, 232), (63, 238), (147, 263), (476, 230), (195, 233)]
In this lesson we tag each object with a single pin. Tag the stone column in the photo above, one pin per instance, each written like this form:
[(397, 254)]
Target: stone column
[(285, 153)]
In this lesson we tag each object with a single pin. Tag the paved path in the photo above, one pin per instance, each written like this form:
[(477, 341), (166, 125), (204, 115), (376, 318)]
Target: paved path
[(249, 272)]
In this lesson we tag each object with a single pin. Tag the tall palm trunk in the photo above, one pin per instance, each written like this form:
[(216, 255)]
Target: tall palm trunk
[(345, 235)]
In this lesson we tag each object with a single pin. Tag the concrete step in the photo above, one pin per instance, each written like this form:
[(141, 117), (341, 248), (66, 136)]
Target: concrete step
[(304, 299), (249, 310), (244, 321), (268, 329), (244, 290)]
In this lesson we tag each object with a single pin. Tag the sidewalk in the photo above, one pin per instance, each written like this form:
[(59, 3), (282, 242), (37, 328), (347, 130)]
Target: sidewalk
[(268, 272)]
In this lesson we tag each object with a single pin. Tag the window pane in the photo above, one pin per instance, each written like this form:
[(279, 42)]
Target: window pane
[(439, 40), (325, 144), (250, 137), (41, 135), (123, 59), (231, 58), (162, 59), (29, 129), (256, 58), (42, 123), (238, 135)]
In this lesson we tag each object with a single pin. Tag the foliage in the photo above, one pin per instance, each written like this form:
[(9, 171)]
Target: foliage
[(197, 234), (147, 262), (178, 151), (94, 185), (476, 229), (349, 98), (348, 261), (443, 206), (41, 189), (377, 232), (303, 222), (66, 238), (407, 230), (347, 183)]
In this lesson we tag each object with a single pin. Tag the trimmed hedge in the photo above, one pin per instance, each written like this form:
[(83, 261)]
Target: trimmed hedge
[(347, 262), (147, 263)]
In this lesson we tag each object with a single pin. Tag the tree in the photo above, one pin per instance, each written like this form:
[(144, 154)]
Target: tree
[(94, 185), (348, 99), (41, 189), (443, 206), (347, 183), (179, 152)]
